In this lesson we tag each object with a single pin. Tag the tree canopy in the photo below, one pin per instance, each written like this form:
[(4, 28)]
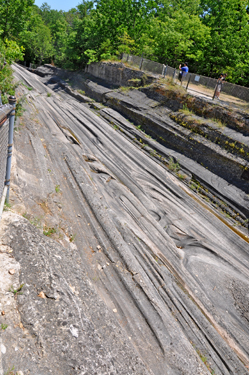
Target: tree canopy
[(211, 35)]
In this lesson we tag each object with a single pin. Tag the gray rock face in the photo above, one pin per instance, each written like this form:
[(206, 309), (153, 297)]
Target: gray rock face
[(67, 328), (169, 269)]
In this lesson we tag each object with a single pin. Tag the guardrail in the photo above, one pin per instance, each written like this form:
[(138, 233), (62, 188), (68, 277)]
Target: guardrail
[(7, 119), (194, 82)]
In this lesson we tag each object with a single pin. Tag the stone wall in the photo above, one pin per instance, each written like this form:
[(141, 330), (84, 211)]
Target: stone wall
[(118, 74)]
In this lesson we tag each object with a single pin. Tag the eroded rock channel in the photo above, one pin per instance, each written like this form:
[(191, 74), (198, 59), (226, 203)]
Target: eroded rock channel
[(147, 206)]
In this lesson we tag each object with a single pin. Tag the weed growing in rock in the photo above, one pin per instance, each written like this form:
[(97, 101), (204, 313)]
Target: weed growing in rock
[(153, 153), (72, 238), (124, 88), (181, 176), (26, 215), (81, 92), (174, 167), (4, 326), (49, 94), (185, 110), (219, 123), (20, 106), (35, 221), (135, 82), (48, 231), (16, 291), (10, 371), (7, 206), (57, 189)]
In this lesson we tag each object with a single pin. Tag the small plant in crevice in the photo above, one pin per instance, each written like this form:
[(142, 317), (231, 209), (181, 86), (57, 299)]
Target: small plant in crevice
[(4, 326), (135, 82), (7, 206), (20, 106), (181, 176), (124, 88), (47, 231), (49, 94), (57, 189), (72, 238), (16, 291), (10, 371), (173, 166), (186, 110), (36, 221)]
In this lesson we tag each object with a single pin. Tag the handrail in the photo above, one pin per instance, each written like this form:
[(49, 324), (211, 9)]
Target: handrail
[(4, 112)]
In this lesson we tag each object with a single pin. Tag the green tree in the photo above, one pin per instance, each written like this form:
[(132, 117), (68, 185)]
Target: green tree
[(9, 52), (228, 21), (13, 16), (36, 39)]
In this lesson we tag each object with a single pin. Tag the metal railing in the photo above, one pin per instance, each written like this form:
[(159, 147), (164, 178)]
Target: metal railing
[(7, 119), (193, 82)]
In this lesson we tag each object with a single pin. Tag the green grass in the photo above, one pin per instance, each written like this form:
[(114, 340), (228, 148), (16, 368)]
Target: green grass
[(136, 82), (219, 123), (124, 88), (49, 94), (4, 326), (47, 231), (7, 206), (174, 167), (35, 221), (72, 238), (181, 176), (185, 110), (57, 189), (20, 106), (16, 291), (10, 371)]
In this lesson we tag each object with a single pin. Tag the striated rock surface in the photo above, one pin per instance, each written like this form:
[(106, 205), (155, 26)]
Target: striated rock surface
[(152, 247)]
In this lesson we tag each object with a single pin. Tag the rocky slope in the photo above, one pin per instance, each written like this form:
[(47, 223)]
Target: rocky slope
[(149, 271)]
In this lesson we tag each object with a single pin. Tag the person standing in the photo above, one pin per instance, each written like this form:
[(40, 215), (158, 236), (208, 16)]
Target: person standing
[(183, 71), (219, 84)]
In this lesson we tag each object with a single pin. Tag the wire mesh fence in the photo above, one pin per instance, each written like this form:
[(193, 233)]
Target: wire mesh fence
[(4, 132), (4, 139), (193, 82)]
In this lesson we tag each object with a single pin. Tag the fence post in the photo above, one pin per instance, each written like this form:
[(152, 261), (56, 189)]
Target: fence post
[(174, 74), (12, 101), (214, 91), (141, 62), (165, 71), (188, 81)]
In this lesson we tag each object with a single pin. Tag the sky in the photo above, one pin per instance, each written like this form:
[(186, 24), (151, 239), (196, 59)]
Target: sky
[(59, 4)]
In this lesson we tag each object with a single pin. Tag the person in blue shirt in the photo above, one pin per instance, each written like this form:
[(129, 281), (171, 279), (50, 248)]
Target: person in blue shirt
[(183, 71)]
